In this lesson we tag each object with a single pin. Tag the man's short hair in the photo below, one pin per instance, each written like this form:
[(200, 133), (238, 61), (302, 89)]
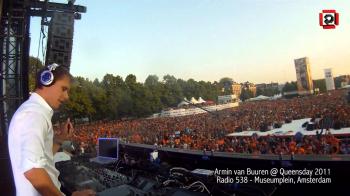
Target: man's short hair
[(58, 74)]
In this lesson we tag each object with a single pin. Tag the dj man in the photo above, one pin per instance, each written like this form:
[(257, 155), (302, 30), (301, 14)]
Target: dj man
[(31, 139)]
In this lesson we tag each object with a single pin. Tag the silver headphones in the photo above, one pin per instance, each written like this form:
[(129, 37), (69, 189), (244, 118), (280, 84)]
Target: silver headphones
[(47, 77)]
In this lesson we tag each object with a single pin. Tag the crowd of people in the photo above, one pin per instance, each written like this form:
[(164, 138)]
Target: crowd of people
[(208, 131)]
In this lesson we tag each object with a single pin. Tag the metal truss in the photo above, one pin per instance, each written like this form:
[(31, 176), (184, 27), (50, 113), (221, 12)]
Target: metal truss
[(14, 28)]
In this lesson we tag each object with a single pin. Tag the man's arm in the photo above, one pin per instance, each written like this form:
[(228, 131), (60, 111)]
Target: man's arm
[(33, 160), (42, 182)]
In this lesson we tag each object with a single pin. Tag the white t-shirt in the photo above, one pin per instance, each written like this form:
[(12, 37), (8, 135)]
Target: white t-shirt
[(30, 143)]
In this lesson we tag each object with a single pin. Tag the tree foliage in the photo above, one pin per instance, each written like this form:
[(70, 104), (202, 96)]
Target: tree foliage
[(246, 94), (35, 65), (225, 84), (115, 98), (290, 86), (267, 91)]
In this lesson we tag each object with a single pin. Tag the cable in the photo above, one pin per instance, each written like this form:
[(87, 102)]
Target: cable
[(119, 168), (203, 185), (37, 56), (43, 52), (42, 36), (167, 182), (273, 192), (178, 168), (177, 173), (198, 187), (116, 167)]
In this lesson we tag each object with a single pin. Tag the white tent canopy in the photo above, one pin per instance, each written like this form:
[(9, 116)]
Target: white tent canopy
[(182, 103), (276, 96), (193, 100), (258, 98), (200, 100), (346, 86)]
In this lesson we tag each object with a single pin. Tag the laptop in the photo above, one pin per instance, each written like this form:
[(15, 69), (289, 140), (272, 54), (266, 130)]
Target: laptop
[(107, 151)]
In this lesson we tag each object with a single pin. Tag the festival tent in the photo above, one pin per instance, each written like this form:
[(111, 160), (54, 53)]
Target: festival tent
[(346, 86), (258, 98), (276, 96), (200, 100), (193, 100), (182, 103)]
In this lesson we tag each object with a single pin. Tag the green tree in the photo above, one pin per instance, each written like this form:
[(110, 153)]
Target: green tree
[(154, 91), (267, 91), (288, 87), (171, 93), (115, 89), (130, 80), (98, 98), (35, 65), (225, 83), (151, 81), (246, 94), (79, 104)]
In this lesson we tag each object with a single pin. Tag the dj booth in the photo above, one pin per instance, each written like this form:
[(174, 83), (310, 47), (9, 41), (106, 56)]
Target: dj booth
[(138, 169)]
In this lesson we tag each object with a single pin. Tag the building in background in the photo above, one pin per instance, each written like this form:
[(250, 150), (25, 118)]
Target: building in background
[(269, 89), (236, 89), (304, 80), (264, 86), (250, 87), (328, 77)]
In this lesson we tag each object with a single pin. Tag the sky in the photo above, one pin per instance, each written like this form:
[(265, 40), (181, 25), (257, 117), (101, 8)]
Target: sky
[(246, 40)]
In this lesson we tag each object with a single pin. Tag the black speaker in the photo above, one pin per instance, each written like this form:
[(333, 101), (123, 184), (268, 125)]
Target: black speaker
[(61, 44), (60, 39), (63, 31), (59, 57), (63, 18)]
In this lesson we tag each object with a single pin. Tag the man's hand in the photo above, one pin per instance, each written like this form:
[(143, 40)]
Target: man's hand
[(86, 192), (67, 132), (62, 135)]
